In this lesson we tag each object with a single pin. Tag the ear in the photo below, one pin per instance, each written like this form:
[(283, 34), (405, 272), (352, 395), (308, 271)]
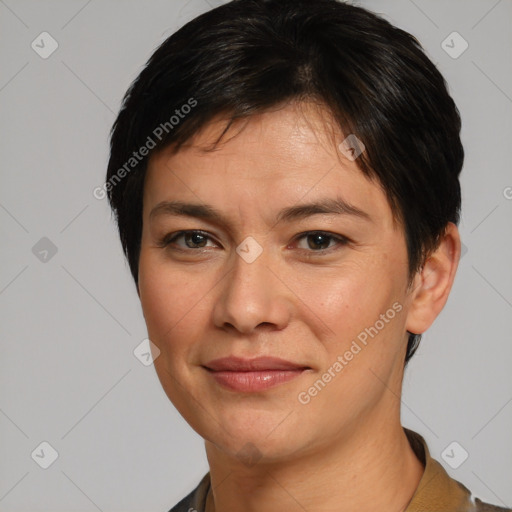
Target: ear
[(432, 284)]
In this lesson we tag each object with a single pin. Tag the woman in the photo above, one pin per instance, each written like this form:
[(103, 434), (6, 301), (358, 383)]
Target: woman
[(285, 180)]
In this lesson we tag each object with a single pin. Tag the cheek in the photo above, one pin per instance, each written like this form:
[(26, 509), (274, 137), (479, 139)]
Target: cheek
[(362, 353), (362, 303), (171, 300), (352, 293)]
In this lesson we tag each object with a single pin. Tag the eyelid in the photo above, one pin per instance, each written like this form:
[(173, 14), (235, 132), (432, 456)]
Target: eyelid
[(170, 237)]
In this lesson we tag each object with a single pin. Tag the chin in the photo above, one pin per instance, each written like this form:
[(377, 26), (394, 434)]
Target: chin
[(255, 448), (252, 435)]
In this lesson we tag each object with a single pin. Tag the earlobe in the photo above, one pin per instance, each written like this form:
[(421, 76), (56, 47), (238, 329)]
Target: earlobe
[(432, 284)]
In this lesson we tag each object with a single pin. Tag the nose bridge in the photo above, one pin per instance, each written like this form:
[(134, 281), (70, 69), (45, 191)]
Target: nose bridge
[(251, 294), (251, 264)]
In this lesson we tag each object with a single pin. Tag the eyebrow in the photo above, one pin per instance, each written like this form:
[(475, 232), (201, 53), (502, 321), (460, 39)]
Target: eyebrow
[(326, 206)]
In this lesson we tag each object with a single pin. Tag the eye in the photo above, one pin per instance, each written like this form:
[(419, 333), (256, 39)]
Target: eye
[(320, 241), (193, 239)]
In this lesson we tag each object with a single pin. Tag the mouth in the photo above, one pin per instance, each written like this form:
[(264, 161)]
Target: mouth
[(252, 375)]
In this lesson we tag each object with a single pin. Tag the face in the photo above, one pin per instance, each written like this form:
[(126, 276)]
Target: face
[(254, 273)]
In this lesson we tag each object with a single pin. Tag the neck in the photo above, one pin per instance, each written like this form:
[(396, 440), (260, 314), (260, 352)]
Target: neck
[(367, 469)]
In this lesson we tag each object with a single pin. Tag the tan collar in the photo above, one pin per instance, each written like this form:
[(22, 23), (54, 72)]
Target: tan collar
[(437, 491)]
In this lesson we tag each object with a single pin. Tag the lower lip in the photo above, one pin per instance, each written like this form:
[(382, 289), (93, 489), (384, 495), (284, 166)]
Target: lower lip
[(254, 380)]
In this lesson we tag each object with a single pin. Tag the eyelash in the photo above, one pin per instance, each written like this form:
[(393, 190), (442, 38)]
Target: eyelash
[(172, 237)]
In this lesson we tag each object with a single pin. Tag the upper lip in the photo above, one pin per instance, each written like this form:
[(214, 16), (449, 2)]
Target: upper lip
[(237, 364)]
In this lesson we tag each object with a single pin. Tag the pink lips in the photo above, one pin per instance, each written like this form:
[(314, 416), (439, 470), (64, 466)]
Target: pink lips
[(251, 375)]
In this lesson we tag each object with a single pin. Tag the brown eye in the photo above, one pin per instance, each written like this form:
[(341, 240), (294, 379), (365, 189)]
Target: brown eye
[(320, 241), (193, 239)]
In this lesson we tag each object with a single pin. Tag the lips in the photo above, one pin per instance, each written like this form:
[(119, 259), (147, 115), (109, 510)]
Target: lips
[(251, 375), (237, 364)]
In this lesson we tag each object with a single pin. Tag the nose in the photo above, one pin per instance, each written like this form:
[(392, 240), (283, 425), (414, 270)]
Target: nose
[(253, 296)]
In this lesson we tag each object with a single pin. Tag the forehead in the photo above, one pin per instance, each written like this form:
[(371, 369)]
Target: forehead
[(280, 157)]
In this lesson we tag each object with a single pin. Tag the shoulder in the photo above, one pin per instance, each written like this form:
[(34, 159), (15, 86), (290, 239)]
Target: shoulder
[(185, 504), (195, 500), (480, 506), (437, 491)]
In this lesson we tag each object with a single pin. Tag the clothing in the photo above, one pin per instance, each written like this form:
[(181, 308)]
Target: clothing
[(436, 492)]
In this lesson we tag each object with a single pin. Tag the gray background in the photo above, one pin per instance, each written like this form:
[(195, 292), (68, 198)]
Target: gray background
[(70, 323)]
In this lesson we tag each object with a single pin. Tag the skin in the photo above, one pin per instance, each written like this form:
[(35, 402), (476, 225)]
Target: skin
[(345, 450)]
